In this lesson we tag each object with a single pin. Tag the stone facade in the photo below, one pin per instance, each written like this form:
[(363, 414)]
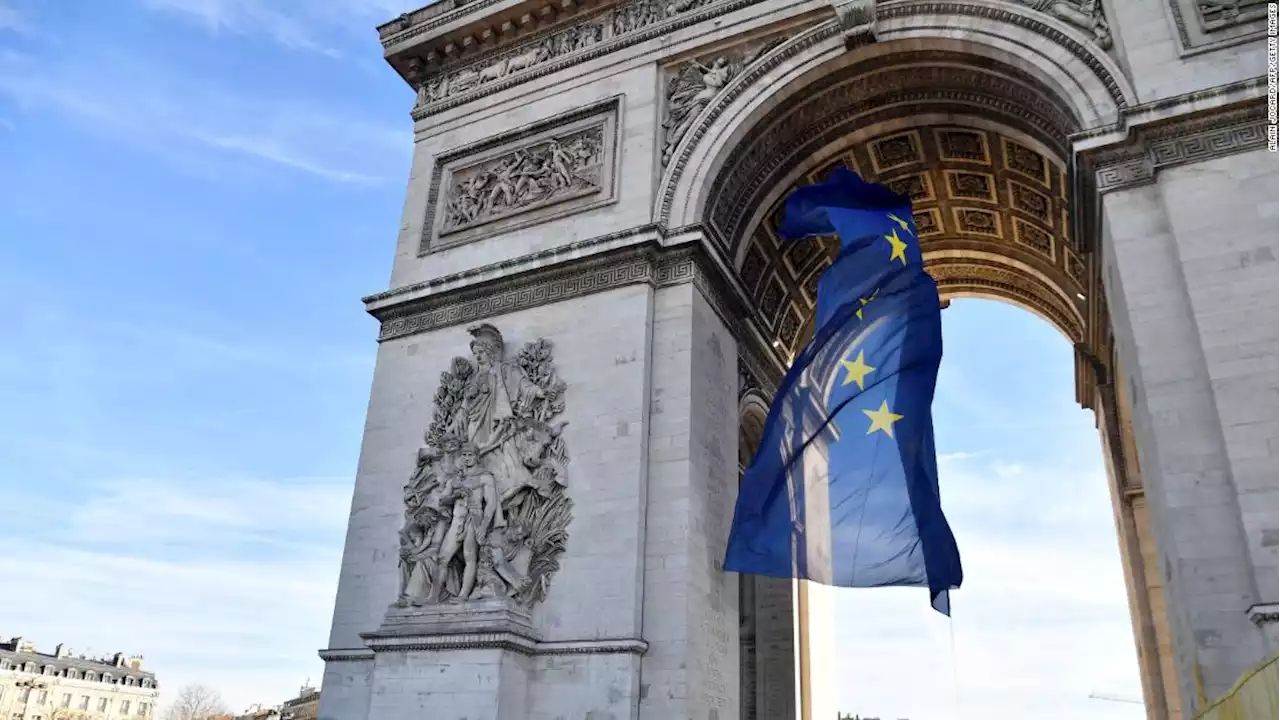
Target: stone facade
[(62, 686), (604, 179)]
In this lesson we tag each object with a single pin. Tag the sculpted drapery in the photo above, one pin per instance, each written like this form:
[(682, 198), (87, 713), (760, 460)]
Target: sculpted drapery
[(485, 509)]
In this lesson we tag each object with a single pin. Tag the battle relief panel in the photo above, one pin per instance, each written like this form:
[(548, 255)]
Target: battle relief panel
[(555, 168)]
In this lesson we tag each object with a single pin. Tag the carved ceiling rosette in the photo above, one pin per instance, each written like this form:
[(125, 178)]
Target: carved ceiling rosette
[(486, 509)]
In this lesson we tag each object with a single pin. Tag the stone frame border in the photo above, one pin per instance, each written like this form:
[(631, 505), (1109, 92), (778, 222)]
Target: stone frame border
[(1188, 47), (607, 113)]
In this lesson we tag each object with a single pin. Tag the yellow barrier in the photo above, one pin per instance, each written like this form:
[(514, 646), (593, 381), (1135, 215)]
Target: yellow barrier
[(1254, 697)]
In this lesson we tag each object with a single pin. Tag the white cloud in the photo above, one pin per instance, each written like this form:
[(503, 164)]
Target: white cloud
[(1040, 623), (12, 20), (296, 25), (147, 105), (158, 567)]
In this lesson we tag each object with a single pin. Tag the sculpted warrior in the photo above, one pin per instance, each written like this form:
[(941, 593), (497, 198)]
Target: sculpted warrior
[(485, 507), (493, 396)]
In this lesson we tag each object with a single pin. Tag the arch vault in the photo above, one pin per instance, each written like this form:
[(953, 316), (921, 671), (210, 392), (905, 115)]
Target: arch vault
[(607, 176)]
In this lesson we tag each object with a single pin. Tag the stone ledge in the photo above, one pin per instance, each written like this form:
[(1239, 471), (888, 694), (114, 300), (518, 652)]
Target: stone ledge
[(346, 654), (514, 642), (1264, 613)]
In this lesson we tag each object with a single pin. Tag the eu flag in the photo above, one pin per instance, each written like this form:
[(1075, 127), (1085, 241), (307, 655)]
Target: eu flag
[(844, 487)]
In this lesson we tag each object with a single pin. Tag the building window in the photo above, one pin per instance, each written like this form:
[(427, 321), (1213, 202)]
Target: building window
[(66, 700), (143, 708), (106, 677), (102, 704), (30, 667), (26, 695), (84, 702), (88, 675), (146, 682), (4, 664), (43, 697), (72, 674), (124, 707), (49, 669)]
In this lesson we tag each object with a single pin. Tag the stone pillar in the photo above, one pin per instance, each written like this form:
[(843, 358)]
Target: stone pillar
[(690, 603), (1189, 267)]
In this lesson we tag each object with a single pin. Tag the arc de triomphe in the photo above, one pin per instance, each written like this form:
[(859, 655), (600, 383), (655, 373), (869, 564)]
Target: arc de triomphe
[(589, 307)]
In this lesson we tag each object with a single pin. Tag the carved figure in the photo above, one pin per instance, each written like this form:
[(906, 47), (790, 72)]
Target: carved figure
[(1084, 14), (687, 94), (508, 184), (1218, 13), (486, 509)]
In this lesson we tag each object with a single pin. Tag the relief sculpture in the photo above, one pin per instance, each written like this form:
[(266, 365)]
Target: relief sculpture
[(486, 511), (695, 85), (547, 172), (1215, 14), (1084, 14)]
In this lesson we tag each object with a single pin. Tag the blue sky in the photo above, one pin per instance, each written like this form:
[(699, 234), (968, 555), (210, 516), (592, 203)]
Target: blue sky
[(196, 193)]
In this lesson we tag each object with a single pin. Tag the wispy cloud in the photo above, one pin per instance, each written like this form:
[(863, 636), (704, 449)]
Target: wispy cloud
[(13, 21), (1040, 623), (147, 105), (302, 25), (158, 566)]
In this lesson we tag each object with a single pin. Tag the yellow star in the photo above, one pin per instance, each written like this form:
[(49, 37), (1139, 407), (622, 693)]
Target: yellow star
[(856, 370), (882, 419), (899, 247), (906, 227), (864, 302)]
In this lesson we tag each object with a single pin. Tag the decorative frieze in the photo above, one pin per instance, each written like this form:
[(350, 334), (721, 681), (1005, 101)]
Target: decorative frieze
[(448, 84), (558, 167), (1180, 142)]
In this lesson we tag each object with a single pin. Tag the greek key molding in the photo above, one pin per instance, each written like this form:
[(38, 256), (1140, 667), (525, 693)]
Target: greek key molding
[(646, 263), (1181, 142), (478, 166)]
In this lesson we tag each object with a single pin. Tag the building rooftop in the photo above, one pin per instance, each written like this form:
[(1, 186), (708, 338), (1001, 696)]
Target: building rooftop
[(21, 655)]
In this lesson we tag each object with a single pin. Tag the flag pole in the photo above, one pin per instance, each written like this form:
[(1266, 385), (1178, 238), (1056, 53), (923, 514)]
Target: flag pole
[(802, 649)]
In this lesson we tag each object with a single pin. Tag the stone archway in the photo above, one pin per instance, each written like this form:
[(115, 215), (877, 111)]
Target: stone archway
[(982, 147), (602, 174)]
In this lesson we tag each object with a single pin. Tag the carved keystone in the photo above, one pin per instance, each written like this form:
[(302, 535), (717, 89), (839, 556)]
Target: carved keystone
[(858, 19)]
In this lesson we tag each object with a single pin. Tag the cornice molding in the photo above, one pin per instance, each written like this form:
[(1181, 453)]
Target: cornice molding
[(515, 642), (644, 263), (610, 42), (1180, 141), (346, 654)]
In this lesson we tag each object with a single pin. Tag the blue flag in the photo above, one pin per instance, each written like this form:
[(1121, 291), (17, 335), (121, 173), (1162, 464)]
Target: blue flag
[(844, 487)]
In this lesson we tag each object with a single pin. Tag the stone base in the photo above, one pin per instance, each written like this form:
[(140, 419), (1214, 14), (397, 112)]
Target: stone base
[(488, 617)]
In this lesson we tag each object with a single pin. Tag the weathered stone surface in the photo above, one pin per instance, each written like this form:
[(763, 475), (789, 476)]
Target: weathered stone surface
[(603, 177)]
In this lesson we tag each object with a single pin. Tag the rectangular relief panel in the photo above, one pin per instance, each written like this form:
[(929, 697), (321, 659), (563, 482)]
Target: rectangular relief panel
[(1206, 25), (553, 168)]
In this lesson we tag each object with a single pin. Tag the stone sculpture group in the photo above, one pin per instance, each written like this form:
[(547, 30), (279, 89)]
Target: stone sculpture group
[(543, 173), (486, 512)]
